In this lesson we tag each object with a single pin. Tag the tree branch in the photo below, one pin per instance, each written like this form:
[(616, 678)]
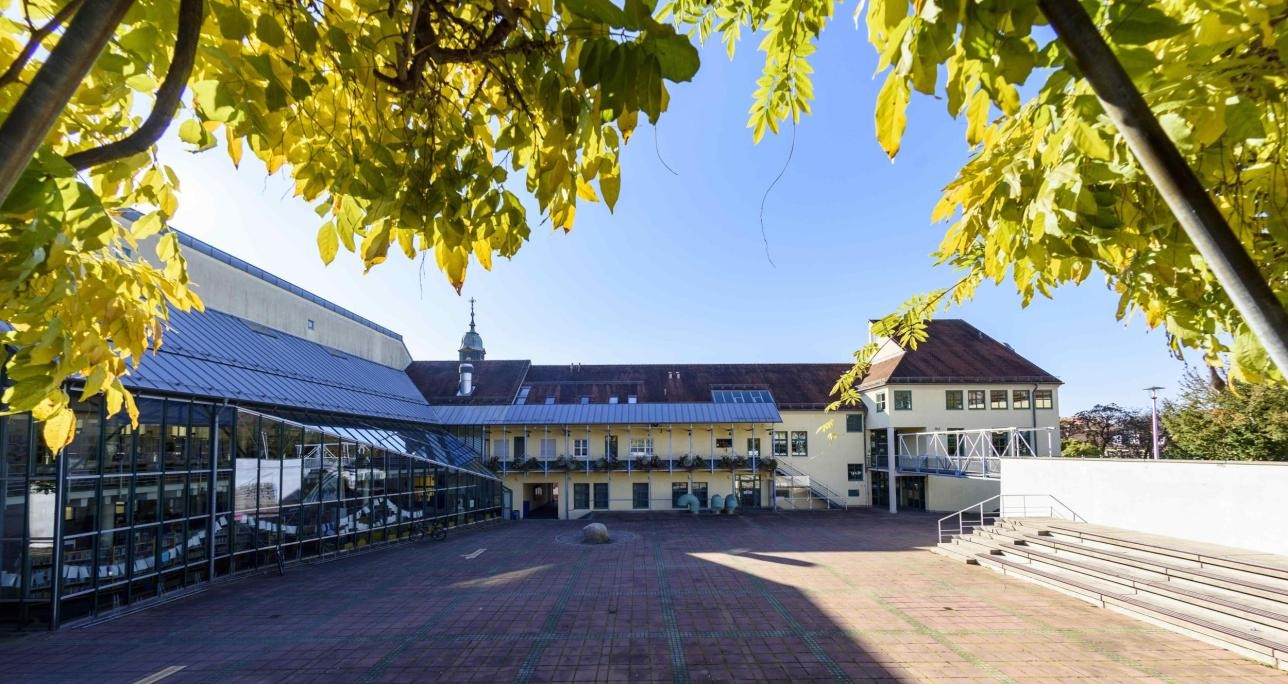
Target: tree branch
[(37, 36), (191, 15)]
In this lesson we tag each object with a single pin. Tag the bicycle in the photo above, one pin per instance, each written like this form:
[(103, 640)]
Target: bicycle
[(435, 532)]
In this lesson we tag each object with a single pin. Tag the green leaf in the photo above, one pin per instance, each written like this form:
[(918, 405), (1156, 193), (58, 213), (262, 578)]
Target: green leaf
[(269, 31), (190, 131), (233, 23), (677, 57), (597, 10), (1142, 24)]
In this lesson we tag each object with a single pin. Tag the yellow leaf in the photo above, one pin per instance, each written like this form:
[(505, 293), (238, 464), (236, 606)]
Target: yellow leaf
[(328, 242), (892, 113), (234, 146), (59, 429), (483, 252), (586, 192)]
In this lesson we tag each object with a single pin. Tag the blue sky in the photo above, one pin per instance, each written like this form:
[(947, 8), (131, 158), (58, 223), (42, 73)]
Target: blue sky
[(679, 272)]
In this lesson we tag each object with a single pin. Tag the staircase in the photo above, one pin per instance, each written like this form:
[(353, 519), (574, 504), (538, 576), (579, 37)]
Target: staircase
[(1235, 600), (820, 495)]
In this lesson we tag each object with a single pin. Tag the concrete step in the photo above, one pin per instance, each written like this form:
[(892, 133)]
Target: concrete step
[(954, 552), (1255, 641), (1261, 586), (1133, 581), (1190, 553)]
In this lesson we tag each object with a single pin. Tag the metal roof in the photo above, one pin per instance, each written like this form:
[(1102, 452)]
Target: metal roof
[(602, 414), (214, 354), (426, 444)]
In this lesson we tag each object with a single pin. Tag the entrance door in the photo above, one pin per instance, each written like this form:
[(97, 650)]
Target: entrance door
[(748, 491), (912, 493), (880, 490), (540, 500)]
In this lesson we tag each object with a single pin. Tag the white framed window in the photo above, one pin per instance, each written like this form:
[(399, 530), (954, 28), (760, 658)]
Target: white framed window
[(641, 447), (581, 448), (780, 444), (880, 400), (548, 448), (631, 399), (800, 443)]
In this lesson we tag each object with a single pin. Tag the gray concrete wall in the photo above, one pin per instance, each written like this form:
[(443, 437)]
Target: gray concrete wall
[(228, 289)]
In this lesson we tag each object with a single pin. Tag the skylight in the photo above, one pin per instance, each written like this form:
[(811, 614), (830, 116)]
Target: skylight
[(753, 396)]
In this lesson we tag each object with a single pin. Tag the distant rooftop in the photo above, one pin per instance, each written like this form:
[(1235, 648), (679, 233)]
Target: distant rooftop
[(251, 269)]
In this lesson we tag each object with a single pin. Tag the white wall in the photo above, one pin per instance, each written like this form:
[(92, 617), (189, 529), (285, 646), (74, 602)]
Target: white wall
[(829, 453), (1234, 503), (952, 494)]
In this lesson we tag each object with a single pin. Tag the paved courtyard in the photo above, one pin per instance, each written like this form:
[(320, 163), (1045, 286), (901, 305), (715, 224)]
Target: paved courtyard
[(764, 597)]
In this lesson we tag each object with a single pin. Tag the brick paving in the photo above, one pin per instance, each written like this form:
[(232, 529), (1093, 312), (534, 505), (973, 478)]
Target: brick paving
[(754, 598)]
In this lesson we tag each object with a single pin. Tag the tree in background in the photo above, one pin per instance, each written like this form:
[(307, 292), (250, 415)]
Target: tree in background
[(1108, 430), (1237, 422), (408, 124)]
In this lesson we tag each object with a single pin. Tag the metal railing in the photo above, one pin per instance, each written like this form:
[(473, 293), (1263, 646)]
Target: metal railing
[(1004, 506), (972, 453), (816, 488)]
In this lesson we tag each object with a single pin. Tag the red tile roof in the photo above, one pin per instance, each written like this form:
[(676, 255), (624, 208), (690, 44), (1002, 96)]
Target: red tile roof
[(955, 351)]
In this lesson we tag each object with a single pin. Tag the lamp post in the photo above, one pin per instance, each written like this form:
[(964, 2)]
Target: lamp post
[(1153, 399)]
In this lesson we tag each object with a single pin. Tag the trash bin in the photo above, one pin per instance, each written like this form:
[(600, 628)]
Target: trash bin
[(514, 515)]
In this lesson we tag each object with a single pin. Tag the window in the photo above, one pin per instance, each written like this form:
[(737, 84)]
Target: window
[(1020, 399), (610, 446), (753, 446), (975, 400), (724, 442), (997, 399), (756, 396), (547, 449), (310, 324), (903, 400), (584, 399), (879, 400), (678, 489), (854, 422), (855, 472), (639, 495), (800, 443), (522, 397), (550, 399), (700, 491), (631, 399), (641, 447), (580, 495), (520, 448), (612, 399), (581, 448), (780, 444), (953, 400), (854, 492), (1043, 399), (878, 442), (953, 441), (601, 495)]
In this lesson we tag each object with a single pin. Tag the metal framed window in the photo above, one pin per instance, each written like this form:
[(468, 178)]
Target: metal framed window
[(854, 422), (639, 495), (641, 447), (1043, 399), (953, 400), (997, 399), (753, 446), (854, 473), (1020, 399), (601, 495), (903, 400), (522, 397), (975, 400), (581, 448), (581, 495), (780, 444), (800, 443)]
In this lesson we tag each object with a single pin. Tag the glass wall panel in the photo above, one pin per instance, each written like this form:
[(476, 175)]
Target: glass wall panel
[(147, 499), (198, 494), (116, 502), (78, 564), (13, 509), (17, 444), (227, 446), (82, 453), (11, 562), (145, 550), (113, 557), (175, 497), (174, 545), (119, 444), (147, 455), (176, 435), (199, 437), (80, 512)]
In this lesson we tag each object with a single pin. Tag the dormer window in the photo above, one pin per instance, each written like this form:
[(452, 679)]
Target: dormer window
[(550, 399), (585, 400), (522, 397), (612, 399), (630, 399)]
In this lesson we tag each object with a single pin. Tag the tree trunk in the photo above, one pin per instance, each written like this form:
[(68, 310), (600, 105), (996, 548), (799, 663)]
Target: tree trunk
[(1189, 201), (40, 105)]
